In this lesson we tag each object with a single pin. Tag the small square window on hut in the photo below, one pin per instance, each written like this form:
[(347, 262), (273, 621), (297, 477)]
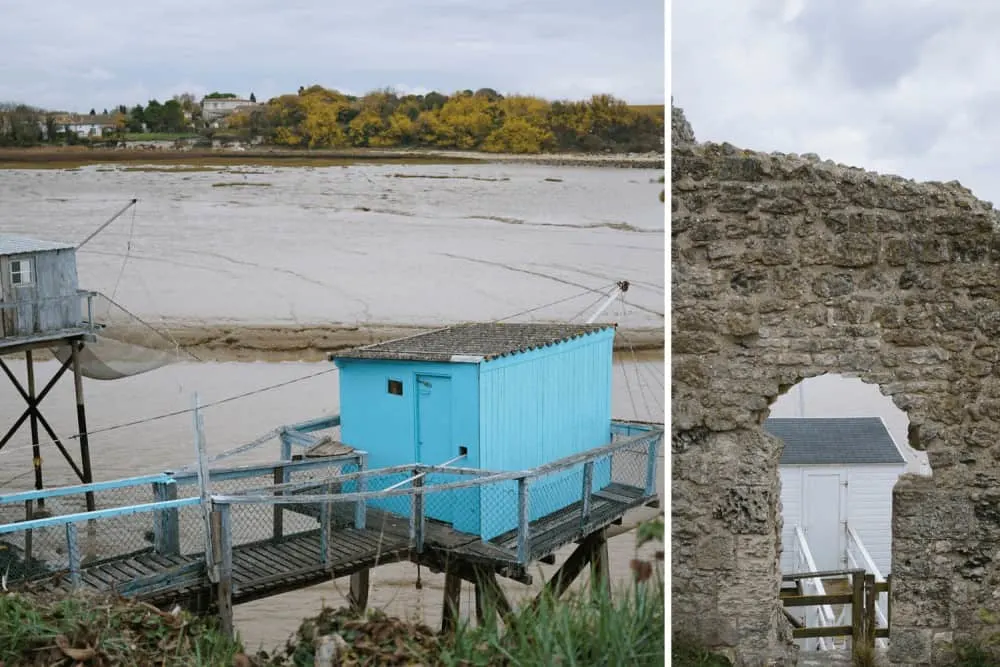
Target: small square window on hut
[(20, 272), (396, 387)]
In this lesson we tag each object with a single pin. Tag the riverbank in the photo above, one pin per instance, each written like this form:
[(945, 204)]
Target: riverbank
[(314, 343), (165, 153)]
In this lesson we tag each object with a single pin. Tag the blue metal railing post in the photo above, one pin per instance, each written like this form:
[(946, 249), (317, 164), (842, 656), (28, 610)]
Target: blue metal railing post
[(286, 445), (523, 536), (360, 508), (73, 554), (651, 467), (417, 514)]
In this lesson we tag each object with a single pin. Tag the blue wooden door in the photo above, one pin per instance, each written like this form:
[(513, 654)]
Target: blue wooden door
[(434, 439)]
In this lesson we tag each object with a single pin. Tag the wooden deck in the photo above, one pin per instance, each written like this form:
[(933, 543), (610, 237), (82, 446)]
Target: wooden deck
[(278, 565)]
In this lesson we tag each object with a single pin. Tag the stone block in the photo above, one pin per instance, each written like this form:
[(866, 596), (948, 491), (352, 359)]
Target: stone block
[(910, 645)]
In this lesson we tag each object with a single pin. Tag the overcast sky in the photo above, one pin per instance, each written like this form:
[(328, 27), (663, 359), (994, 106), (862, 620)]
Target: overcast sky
[(902, 86), (70, 56)]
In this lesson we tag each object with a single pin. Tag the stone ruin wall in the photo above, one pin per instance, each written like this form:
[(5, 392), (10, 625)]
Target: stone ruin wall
[(787, 267)]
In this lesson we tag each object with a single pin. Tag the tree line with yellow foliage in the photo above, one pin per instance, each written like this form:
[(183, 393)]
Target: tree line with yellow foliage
[(484, 120)]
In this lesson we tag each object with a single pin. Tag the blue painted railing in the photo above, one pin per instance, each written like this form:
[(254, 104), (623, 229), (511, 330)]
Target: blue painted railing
[(357, 488)]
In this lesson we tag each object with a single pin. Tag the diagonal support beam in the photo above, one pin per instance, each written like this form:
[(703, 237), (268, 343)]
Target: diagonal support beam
[(13, 429), (571, 568), (33, 412), (14, 381), (55, 378), (58, 443)]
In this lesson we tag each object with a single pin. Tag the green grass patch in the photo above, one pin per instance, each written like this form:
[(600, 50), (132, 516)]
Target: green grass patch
[(583, 628)]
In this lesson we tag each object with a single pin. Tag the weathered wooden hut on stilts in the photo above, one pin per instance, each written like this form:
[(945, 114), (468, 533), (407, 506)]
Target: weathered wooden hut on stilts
[(43, 308)]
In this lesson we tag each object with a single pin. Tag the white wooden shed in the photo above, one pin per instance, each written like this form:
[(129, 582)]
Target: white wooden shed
[(837, 473)]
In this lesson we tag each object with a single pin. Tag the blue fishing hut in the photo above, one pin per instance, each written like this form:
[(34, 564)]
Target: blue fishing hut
[(509, 397)]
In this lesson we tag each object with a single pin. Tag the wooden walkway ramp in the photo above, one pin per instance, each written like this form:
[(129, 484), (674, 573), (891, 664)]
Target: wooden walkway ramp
[(277, 565), (310, 523)]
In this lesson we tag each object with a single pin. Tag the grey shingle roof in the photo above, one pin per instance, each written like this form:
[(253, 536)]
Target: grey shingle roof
[(13, 245), (834, 440), (473, 342)]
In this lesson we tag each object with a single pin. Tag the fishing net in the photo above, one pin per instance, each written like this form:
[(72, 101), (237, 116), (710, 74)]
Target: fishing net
[(125, 345)]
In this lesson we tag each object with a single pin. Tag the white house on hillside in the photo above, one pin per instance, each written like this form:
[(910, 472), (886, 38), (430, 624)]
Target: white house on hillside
[(217, 107), (837, 475), (83, 125)]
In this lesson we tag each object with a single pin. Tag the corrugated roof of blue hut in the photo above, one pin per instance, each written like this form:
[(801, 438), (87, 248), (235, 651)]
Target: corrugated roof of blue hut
[(474, 342)]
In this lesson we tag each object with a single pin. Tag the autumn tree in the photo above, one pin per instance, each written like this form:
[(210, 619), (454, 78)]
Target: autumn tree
[(367, 128), (463, 122), (319, 117)]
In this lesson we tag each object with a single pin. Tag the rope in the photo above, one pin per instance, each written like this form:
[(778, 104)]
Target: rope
[(589, 307), (128, 253), (149, 326), (635, 363), (556, 303), (628, 390), (211, 404)]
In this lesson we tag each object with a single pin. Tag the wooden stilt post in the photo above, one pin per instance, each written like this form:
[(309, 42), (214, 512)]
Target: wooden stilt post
[(166, 527), (360, 584), (278, 526), (36, 450), (480, 603), (600, 571), (81, 420), (490, 598), (452, 601)]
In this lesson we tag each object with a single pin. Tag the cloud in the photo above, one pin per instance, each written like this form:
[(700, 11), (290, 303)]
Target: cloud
[(98, 74), (900, 86), (56, 57)]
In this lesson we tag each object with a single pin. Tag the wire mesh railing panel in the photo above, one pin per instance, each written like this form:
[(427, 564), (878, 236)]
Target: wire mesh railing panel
[(628, 466), (497, 509), (26, 554), (298, 519), (250, 523), (401, 505)]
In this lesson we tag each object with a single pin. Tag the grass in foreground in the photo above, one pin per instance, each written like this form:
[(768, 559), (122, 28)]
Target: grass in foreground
[(94, 631), (626, 630)]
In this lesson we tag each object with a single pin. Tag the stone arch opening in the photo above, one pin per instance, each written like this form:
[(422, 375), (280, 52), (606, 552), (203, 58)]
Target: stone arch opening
[(844, 447), (788, 267)]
